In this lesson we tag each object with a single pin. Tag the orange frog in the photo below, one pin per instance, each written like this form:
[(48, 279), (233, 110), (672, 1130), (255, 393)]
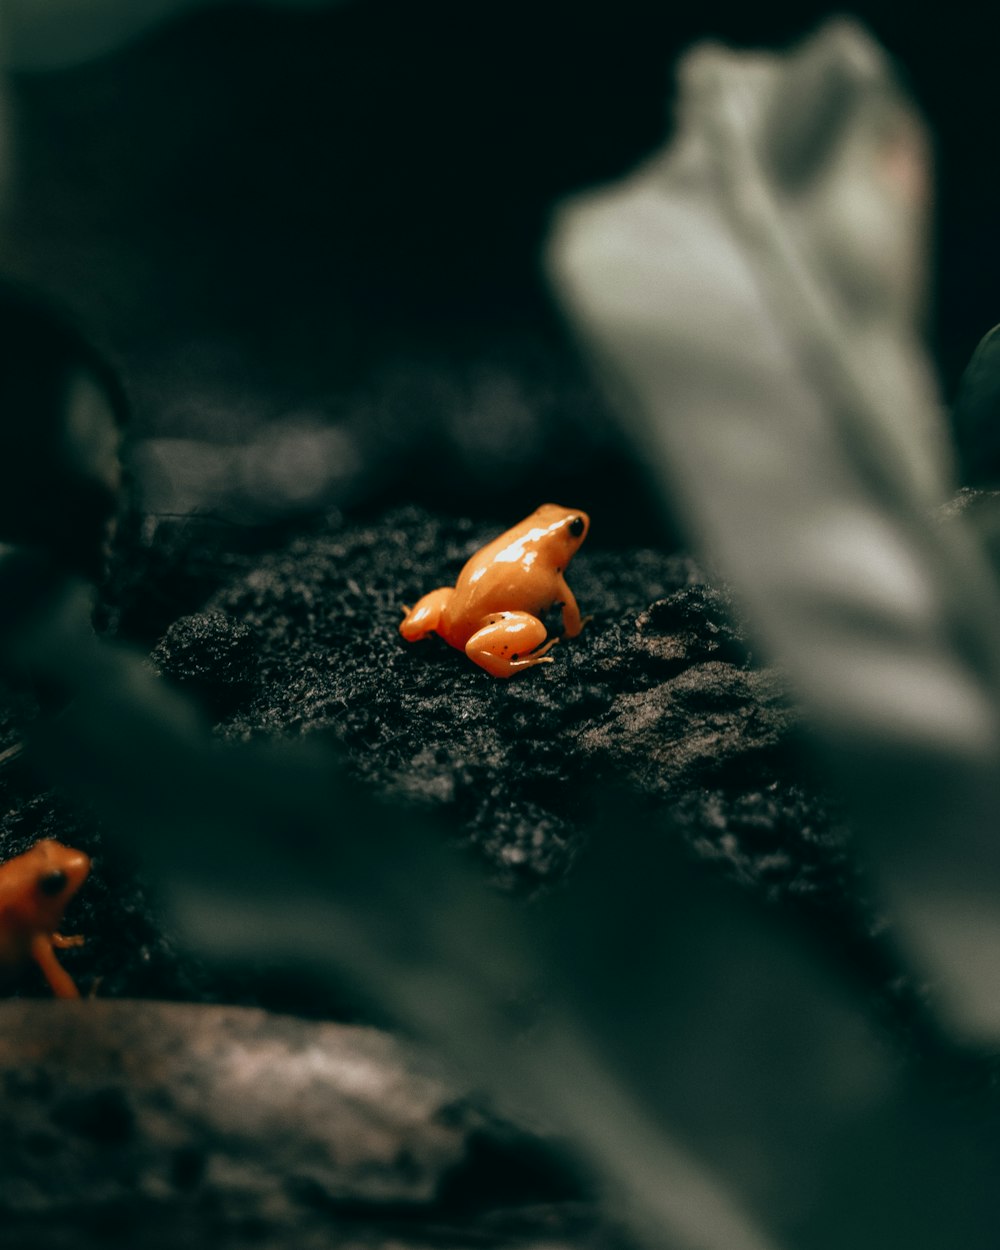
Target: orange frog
[(492, 612), (34, 890)]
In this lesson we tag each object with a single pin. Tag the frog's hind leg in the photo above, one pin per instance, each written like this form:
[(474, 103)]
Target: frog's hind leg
[(505, 643), (424, 617)]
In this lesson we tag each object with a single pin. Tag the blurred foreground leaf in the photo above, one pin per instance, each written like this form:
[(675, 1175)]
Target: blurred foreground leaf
[(752, 296)]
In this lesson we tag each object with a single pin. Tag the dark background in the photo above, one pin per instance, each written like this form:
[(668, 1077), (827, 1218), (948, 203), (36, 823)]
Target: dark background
[(337, 211)]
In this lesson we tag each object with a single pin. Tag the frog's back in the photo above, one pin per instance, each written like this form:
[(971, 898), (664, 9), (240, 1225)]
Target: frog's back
[(519, 571), (504, 576)]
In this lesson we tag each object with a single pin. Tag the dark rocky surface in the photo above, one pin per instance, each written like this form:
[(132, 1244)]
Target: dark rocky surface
[(657, 696), (658, 699), (212, 654), (125, 1116)]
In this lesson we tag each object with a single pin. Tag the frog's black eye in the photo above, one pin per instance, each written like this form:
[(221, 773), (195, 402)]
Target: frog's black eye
[(576, 526), (53, 883)]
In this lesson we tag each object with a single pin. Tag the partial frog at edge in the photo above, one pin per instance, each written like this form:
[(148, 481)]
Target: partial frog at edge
[(35, 889)]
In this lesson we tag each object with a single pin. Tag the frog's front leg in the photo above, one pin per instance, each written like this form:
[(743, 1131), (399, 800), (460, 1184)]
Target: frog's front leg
[(506, 642), (425, 616), (58, 978), (573, 622)]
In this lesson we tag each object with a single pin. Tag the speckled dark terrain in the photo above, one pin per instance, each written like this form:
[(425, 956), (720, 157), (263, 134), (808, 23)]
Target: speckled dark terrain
[(658, 699), (657, 709), (658, 695), (658, 705)]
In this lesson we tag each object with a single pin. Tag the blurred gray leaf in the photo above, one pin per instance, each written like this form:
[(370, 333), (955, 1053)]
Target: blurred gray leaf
[(753, 297)]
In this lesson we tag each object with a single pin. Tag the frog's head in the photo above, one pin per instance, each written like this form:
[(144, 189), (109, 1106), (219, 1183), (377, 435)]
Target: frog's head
[(56, 873), (567, 527)]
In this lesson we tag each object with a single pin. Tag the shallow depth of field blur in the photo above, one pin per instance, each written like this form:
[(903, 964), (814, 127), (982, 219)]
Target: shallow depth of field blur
[(308, 233), (352, 263)]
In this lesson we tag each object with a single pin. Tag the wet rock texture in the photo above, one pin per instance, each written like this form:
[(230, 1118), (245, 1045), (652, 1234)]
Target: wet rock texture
[(127, 1123)]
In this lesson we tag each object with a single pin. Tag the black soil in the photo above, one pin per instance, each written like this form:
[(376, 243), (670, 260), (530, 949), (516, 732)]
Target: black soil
[(659, 701)]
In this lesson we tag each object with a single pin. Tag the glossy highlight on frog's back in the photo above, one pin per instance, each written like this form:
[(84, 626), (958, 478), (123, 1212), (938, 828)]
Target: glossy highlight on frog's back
[(493, 611)]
